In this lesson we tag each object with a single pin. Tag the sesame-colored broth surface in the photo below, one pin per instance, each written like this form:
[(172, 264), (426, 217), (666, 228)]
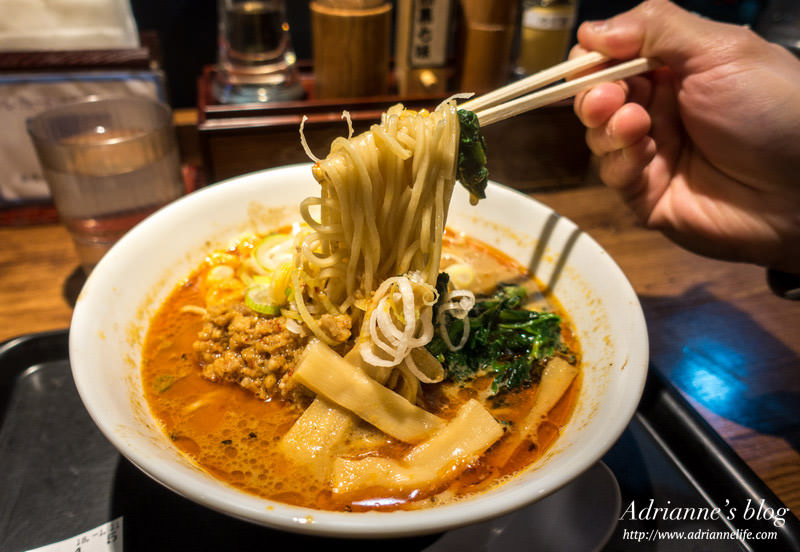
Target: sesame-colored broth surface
[(233, 435)]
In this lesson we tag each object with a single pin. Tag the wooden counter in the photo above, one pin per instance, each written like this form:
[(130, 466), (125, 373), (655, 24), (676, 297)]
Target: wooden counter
[(715, 329)]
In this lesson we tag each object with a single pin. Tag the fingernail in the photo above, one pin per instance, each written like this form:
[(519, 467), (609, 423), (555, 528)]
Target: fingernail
[(600, 26)]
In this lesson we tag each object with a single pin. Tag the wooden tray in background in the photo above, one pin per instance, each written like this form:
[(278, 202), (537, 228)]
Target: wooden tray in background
[(146, 56)]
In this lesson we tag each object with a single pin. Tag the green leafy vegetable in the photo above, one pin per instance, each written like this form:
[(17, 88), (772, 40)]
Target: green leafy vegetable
[(505, 340), (472, 171), (163, 382)]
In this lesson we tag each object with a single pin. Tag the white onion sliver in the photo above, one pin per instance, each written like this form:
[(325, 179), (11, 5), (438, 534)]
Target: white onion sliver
[(419, 374), (303, 142), (294, 327), (407, 293), (374, 322), (457, 304), (385, 335), (372, 358), (346, 116)]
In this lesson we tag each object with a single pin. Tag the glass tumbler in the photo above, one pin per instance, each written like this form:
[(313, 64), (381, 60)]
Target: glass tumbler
[(256, 59), (108, 164)]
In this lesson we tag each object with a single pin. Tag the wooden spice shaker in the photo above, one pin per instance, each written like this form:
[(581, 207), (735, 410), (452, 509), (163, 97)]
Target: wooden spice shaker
[(351, 47), (488, 28)]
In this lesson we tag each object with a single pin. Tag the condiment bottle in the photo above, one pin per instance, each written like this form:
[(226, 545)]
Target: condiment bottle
[(351, 44), (256, 58), (545, 33), (487, 36), (422, 37)]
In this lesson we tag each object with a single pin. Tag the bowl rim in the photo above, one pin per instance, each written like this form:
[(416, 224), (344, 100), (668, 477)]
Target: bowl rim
[(343, 524)]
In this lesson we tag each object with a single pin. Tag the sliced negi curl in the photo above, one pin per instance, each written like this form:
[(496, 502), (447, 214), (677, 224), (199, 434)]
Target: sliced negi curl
[(472, 171), (505, 340)]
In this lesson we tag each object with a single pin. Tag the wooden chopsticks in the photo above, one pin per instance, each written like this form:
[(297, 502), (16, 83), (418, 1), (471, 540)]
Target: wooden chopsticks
[(490, 108)]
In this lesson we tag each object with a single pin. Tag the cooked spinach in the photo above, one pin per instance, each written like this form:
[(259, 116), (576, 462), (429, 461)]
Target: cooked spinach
[(505, 340), (472, 171)]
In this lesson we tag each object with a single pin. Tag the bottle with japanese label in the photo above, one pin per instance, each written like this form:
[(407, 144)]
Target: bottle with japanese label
[(422, 37), (545, 33)]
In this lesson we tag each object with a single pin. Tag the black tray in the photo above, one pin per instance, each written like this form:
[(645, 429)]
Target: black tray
[(59, 477)]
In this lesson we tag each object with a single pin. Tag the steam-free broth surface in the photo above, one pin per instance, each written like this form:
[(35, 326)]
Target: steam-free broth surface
[(233, 435)]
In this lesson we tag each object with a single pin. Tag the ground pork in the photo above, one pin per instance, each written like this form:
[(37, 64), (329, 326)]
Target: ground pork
[(238, 345), (258, 353)]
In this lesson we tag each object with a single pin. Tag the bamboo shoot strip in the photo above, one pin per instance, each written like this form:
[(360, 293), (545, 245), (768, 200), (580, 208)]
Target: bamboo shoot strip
[(313, 438), (556, 379), (328, 374), (441, 458), (317, 434)]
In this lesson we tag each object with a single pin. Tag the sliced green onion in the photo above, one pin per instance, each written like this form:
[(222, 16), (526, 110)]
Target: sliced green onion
[(273, 250), (258, 297)]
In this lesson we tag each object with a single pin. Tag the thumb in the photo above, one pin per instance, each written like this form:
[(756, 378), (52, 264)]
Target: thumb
[(656, 28)]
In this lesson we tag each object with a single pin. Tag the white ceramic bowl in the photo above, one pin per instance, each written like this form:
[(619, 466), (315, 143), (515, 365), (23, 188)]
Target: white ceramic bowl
[(132, 280)]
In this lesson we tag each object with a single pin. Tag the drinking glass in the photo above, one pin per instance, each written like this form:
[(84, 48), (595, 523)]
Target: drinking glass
[(256, 59), (108, 162)]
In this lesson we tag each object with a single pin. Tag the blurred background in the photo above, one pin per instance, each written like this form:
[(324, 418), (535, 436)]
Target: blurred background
[(187, 31), (240, 74)]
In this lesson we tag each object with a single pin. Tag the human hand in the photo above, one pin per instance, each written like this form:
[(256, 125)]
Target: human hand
[(706, 149)]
